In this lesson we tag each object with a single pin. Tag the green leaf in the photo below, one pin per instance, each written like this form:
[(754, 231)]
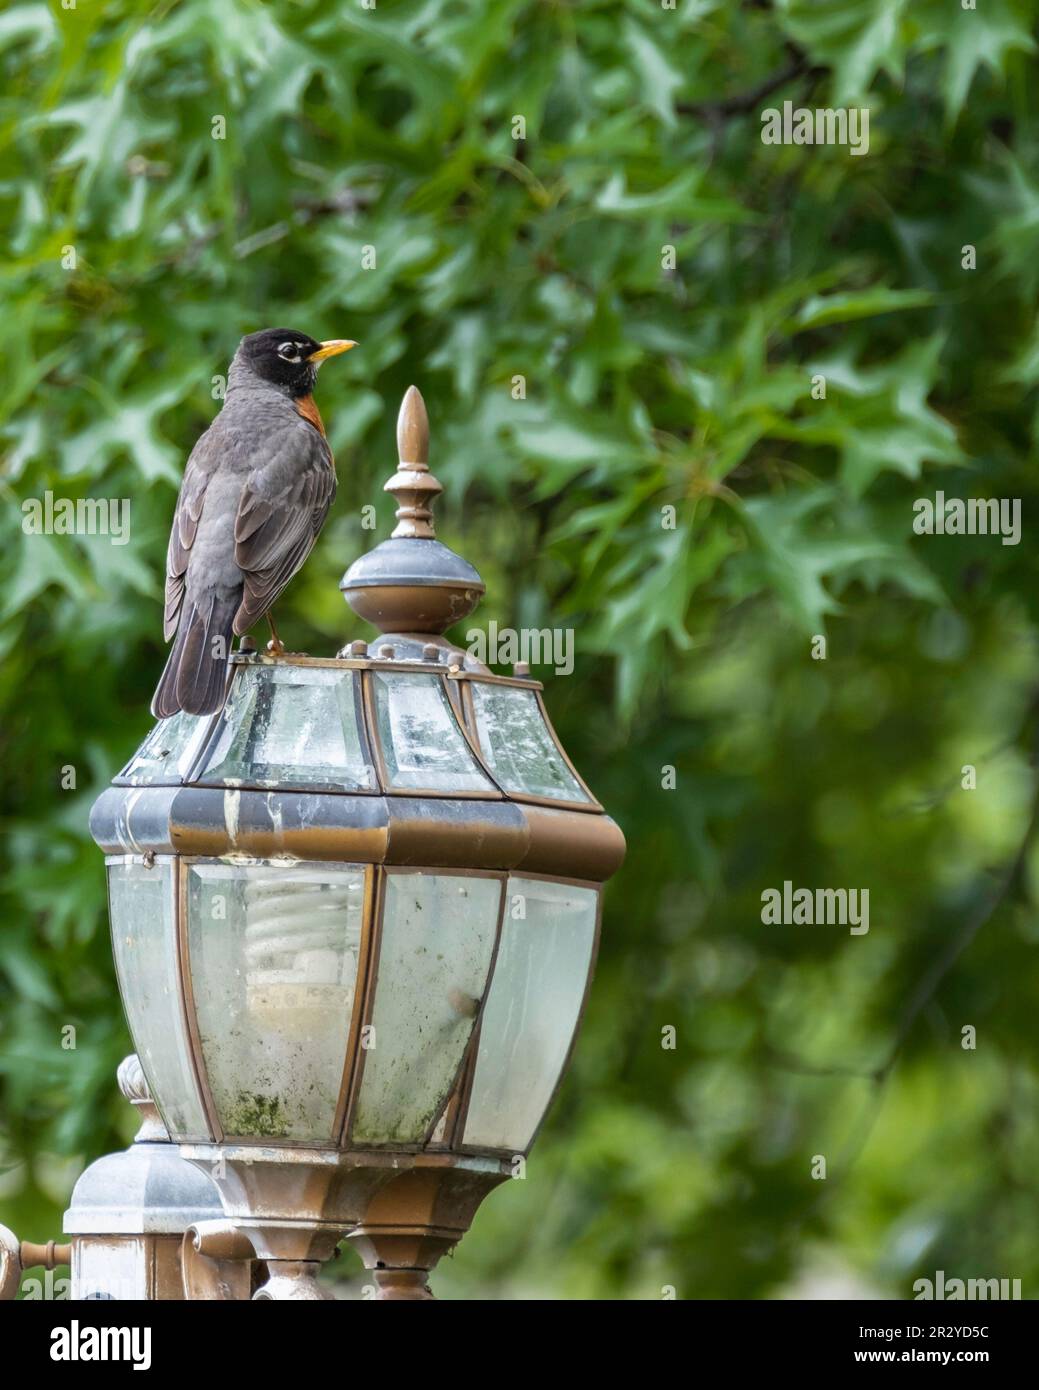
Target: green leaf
[(845, 306), (800, 553)]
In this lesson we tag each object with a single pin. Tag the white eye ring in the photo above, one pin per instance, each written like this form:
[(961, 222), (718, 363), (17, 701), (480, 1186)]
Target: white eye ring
[(285, 349)]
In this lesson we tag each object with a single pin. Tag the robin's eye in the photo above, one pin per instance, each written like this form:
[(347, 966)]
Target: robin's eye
[(289, 351)]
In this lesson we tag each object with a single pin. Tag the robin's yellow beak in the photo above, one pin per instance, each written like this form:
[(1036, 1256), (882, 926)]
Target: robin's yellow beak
[(332, 348)]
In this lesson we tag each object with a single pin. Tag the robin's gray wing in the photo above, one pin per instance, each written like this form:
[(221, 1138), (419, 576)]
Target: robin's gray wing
[(282, 509), (200, 467)]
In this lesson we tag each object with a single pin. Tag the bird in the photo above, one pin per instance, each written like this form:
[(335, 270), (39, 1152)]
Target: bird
[(255, 493)]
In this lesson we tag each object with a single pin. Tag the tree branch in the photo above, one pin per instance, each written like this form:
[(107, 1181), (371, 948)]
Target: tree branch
[(720, 108)]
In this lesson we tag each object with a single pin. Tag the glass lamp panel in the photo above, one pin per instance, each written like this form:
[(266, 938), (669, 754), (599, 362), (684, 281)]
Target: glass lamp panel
[(291, 726), (167, 753), (532, 1009), (274, 953), (517, 746), (145, 946), (422, 746), (437, 940)]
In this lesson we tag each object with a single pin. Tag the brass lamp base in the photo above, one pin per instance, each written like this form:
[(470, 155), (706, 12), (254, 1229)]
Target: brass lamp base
[(293, 1279), (409, 1284), (401, 1211)]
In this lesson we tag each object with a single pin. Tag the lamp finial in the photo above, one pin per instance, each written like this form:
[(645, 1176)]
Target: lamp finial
[(412, 583), (413, 484)]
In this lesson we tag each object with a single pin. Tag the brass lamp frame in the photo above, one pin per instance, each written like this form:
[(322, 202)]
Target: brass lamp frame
[(401, 1204)]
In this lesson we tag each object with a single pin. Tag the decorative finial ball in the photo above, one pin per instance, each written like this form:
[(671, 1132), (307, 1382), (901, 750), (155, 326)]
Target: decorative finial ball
[(131, 1079)]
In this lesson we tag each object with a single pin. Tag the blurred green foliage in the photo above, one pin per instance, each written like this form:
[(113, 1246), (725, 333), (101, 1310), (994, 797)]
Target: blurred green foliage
[(646, 387)]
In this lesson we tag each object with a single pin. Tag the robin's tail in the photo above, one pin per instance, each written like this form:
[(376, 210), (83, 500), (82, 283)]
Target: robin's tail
[(193, 680)]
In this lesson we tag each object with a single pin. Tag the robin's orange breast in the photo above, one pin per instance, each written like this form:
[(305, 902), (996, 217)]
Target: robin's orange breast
[(307, 407)]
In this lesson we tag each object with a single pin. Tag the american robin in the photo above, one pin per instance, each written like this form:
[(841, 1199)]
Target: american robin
[(255, 494)]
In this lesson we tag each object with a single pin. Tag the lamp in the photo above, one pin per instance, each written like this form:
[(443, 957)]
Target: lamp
[(355, 916)]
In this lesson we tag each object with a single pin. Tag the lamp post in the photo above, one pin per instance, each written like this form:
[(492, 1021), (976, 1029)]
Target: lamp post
[(355, 916)]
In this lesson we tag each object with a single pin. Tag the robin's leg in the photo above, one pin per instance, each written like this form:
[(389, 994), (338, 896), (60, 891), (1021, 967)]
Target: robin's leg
[(275, 646)]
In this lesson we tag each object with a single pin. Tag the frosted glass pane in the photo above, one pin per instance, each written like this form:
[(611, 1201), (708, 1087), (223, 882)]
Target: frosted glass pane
[(437, 939), (517, 746), (291, 725), (274, 969), (422, 745), (169, 750), (144, 942), (531, 1012)]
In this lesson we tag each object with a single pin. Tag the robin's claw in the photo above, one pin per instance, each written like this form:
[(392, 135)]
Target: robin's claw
[(277, 649)]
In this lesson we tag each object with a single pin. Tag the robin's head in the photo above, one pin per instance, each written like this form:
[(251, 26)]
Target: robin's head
[(287, 359)]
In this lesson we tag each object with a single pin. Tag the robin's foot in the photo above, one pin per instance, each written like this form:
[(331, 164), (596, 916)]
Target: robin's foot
[(276, 648)]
